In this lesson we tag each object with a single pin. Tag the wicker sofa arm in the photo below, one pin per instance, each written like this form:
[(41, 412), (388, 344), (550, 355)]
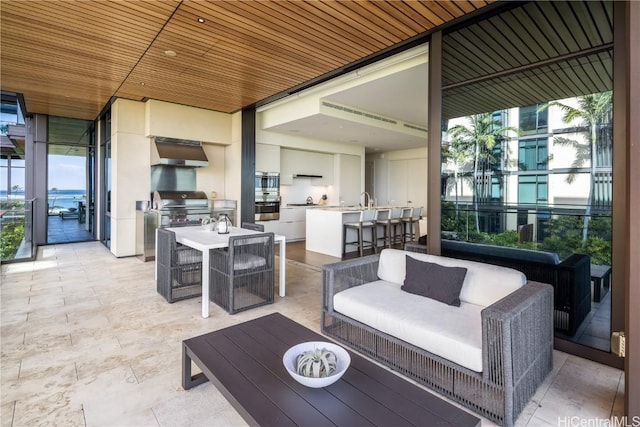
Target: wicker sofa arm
[(517, 335), (343, 275)]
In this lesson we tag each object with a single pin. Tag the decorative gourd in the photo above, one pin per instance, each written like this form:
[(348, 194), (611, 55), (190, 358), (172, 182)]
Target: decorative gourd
[(318, 363)]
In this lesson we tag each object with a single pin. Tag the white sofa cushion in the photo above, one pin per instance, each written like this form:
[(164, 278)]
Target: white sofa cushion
[(454, 333), (483, 285)]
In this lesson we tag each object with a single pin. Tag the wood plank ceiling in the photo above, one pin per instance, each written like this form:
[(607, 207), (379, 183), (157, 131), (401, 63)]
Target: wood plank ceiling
[(533, 53), (69, 58)]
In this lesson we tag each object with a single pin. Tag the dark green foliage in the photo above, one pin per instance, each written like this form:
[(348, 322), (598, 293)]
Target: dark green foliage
[(9, 204), (10, 238), (563, 234)]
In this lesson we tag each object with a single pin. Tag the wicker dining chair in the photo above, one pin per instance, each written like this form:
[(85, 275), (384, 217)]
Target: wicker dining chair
[(242, 275), (179, 268)]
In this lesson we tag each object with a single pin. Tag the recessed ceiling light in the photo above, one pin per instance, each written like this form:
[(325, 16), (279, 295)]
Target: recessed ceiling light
[(201, 20), (142, 83), (170, 53)]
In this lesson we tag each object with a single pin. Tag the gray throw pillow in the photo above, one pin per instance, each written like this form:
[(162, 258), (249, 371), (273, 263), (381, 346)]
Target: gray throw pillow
[(434, 281)]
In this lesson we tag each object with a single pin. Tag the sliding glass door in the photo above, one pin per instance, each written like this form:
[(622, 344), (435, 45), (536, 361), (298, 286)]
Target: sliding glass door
[(70, 181)]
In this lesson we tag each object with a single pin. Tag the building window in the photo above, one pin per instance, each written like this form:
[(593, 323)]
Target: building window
[(604, 147), (496, 189), (533, 154), (533, 189), (533, 121)]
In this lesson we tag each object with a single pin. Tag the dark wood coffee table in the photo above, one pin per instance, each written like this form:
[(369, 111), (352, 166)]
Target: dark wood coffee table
[(245, 363)]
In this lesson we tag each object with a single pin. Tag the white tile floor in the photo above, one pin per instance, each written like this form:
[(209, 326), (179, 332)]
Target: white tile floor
[(86, 340)]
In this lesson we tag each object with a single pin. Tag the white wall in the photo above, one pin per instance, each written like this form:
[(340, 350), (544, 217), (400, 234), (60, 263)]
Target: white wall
[(301, 188), (132, 125), (400, 176), (180, 121), (297, 190), (130, 177), (350, 179), (233, 163)]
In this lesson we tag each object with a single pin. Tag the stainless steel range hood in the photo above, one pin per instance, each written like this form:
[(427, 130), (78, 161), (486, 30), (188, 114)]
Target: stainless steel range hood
[(306, 175), (177, 152)]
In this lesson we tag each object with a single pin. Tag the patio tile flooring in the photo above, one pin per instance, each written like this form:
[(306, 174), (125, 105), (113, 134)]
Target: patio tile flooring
[(66, 230), (87, 341)]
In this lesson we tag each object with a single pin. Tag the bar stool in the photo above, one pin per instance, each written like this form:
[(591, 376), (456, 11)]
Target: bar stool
[(394, 235), (382, 219), (413, 223), (367, 221)]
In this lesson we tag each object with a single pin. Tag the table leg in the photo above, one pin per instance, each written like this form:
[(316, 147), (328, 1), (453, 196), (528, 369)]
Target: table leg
[(283, 263), (597, 284), (155, 270), (188, 380), (205, 284)]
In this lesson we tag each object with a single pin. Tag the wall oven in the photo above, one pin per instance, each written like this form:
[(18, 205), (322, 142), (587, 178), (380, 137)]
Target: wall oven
[(267, 185), (267, 211), (267, 197)]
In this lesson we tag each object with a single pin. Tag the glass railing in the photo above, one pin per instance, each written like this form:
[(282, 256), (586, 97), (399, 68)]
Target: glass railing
[(16, 231), (562, 229)]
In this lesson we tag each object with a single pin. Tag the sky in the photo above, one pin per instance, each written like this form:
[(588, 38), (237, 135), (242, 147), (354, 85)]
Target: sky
[(67, 172)]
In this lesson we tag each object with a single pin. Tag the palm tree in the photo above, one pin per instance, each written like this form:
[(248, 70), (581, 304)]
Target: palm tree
[(458, 154), (479, 138), (592, 112)]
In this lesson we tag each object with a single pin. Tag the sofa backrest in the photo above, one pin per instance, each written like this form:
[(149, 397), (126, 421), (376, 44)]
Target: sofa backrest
[(483, 285), (481, 250)]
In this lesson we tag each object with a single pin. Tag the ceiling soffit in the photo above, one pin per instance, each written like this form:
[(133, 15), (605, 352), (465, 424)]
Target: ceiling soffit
[(534, 53)]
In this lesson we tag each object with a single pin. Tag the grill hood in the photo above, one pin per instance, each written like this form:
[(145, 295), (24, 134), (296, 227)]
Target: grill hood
[(177, 152)]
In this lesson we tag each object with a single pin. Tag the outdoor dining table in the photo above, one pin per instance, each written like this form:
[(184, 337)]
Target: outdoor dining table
[(203, 240)]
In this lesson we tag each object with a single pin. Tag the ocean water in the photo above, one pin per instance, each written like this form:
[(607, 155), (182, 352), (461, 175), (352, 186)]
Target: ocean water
[(60, 199)]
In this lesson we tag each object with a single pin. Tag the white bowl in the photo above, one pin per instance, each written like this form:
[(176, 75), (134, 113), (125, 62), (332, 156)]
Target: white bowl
[(342, 363)]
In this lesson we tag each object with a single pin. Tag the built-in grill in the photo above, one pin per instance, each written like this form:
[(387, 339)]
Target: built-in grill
[(180, 208), (168, 209)]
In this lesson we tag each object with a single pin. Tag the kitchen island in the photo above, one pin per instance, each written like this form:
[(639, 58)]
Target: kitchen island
[(325, 225), (324, 229)]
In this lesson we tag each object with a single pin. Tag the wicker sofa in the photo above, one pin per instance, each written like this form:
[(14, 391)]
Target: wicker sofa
[(514, 328), (570, 278)]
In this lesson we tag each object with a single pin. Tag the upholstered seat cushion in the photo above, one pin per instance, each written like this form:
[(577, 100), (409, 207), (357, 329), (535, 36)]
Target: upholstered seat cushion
[(246, 261), (360, 224), (454, 333), (187, 255), (484, 284)]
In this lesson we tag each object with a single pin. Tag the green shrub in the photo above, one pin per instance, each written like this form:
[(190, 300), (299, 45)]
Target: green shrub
[(506, 238), (562, 234), (599, 250), (10, 238)]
